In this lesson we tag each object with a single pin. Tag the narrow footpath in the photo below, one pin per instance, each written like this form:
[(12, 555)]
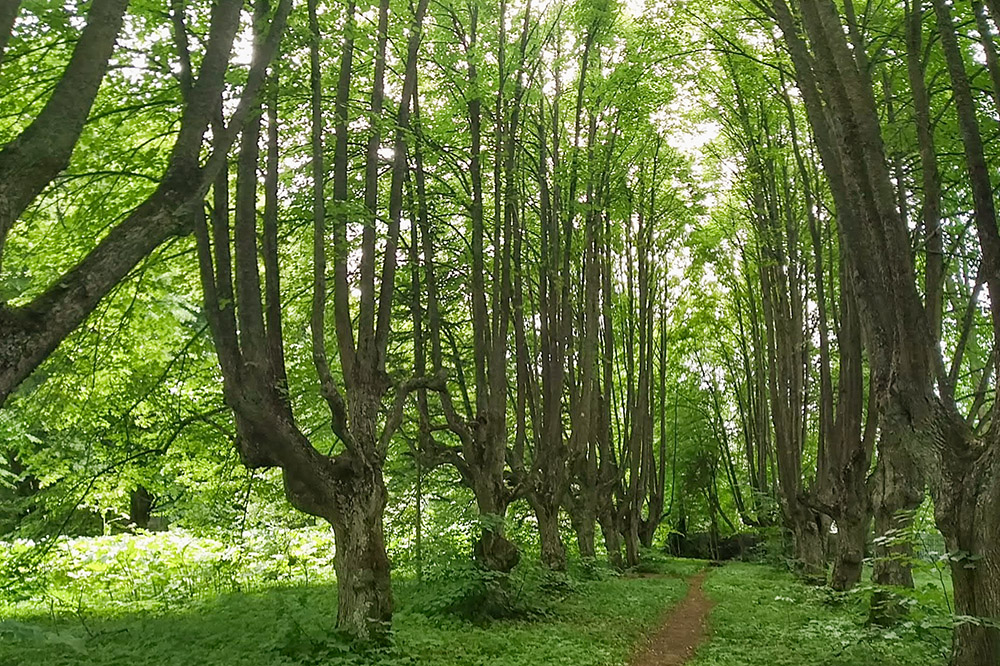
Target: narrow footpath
[(683, 630)]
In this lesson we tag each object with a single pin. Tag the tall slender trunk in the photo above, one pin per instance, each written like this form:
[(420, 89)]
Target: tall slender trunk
[(967, 499), (347, 489), (609, 473), (897, 482), (583, 516)]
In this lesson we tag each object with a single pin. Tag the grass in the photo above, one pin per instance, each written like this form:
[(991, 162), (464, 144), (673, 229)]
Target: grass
[(595, 625), (180, 599), (283, 622), (763, 617)]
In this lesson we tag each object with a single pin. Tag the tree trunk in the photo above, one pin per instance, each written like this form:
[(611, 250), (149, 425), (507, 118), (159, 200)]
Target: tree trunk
[(967, 492), (897, 491), (492, 550), (808, 542), (496, 552), (584, 524), (852, 536), (973, 540), (844, 114), (582, 505), (364, 594), (647, 529), (348, 491), (140, 507), (552, 549), (482, 429), (631, 536), (612, 535), (8, 15)]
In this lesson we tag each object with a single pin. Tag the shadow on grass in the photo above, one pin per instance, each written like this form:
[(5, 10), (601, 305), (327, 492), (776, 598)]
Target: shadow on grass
[(261, 627)]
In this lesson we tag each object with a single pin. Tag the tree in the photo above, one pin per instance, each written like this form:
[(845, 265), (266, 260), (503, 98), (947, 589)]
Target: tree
[(481, 455), (960, 466), (246, 318)]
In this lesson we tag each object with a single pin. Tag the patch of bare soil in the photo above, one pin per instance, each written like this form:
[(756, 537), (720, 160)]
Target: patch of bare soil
[(683, 630)]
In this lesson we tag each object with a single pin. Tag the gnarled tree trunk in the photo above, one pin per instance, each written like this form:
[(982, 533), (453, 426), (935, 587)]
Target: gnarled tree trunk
[(346, 489)]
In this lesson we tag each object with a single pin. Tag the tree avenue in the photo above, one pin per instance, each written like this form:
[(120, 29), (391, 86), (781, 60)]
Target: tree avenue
[(496, 287)]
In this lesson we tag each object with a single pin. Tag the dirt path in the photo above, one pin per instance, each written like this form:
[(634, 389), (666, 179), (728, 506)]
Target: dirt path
[(683, 630)]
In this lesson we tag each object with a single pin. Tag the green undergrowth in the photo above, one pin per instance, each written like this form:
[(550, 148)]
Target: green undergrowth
[(174, 599), (763, 617)]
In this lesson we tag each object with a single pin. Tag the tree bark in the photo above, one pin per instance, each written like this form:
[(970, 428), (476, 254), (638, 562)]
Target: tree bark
[(364, 593), (609, 471), (967, 497), (852, 536), (584, 521), (482, 455), (140, 507), (346, 489), (897, 492), (549, 539), (612, 533), (974, 544), (549, 471)]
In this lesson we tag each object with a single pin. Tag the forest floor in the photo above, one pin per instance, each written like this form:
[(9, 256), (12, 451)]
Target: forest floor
[(683, 630), (164, 601), (107, 613), (597, 625), (764, 617)]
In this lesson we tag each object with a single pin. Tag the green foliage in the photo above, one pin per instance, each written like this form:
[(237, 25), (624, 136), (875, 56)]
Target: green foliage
[(133, 398), (126, 572), (478, 595)]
